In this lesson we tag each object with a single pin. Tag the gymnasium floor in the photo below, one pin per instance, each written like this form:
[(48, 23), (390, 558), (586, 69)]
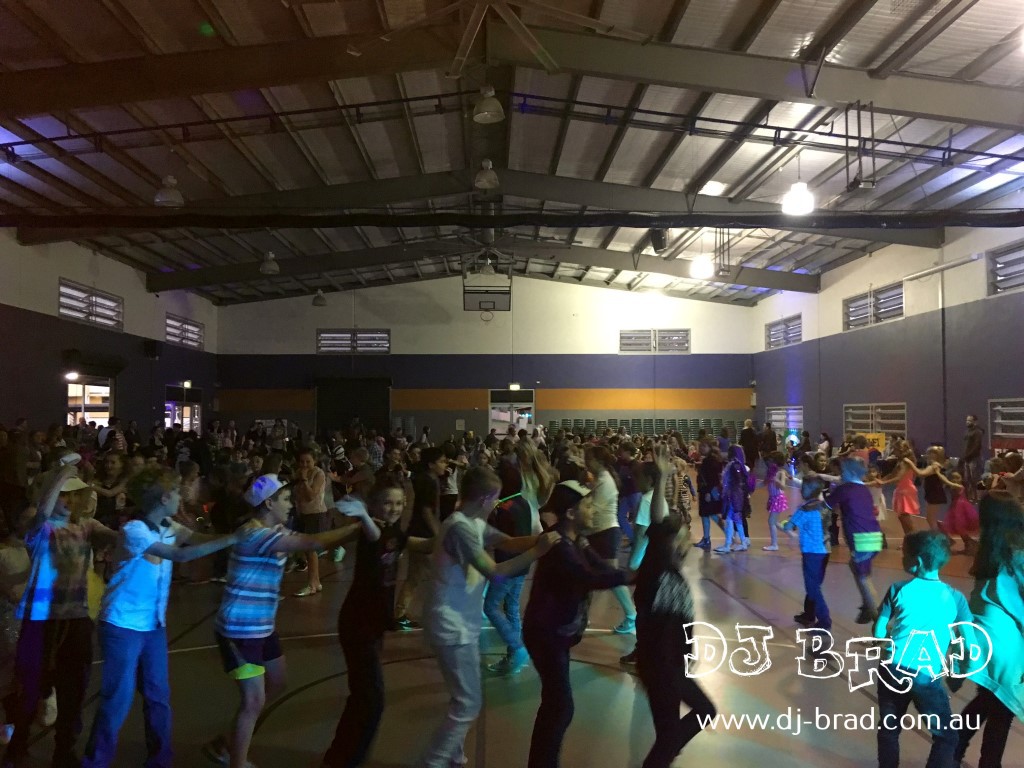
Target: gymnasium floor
[(612, 723)]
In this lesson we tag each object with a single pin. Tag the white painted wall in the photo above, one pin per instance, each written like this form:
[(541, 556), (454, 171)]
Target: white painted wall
[(427, 318), (29, 277), (823, 313)]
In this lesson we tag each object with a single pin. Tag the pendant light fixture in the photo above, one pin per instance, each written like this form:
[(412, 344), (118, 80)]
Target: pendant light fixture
[(702, 267), (799, 201), (488, 110), (270, 265), (169, 196), (486, 179), (319, 300)]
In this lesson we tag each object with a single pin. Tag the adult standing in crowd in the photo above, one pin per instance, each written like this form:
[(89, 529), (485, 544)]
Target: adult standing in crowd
[(750, 443), (970, 462), (769, 441)]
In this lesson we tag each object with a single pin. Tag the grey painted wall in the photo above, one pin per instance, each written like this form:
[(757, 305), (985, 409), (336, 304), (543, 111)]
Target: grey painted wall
[(902, 361), (32, 383)]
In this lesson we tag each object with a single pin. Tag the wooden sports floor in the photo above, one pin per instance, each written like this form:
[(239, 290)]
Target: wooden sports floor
[(612, 725)]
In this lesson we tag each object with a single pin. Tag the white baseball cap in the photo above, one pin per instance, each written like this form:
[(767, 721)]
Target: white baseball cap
[(262, 488)]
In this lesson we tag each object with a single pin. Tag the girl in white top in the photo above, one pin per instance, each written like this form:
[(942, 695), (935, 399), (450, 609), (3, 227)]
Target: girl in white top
[(605, 535)]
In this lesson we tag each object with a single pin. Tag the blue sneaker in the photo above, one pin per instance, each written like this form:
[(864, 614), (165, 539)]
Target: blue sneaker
[(627, 627), (517, 661)]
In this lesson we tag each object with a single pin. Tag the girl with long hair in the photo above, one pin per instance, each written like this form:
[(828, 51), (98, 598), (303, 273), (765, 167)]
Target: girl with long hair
[(904, 499), (777, 502), (997, 603), (735, 500), (709, 489), (537, 478), (366, 614), (605, 535)]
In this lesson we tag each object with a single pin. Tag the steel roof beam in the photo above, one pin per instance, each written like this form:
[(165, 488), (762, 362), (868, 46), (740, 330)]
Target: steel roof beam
[(936, 25), (399, 254), (591, 194), (763, 77), (222, 70)]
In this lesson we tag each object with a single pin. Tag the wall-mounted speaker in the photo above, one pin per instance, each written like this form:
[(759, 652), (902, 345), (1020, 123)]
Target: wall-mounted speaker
[(152, 348)]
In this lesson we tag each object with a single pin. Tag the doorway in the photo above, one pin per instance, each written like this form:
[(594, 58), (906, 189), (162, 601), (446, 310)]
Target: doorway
[(90, 398)]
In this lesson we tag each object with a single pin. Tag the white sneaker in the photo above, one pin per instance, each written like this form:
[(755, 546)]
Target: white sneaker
[(339, 554), (771, 548), (48, 710)]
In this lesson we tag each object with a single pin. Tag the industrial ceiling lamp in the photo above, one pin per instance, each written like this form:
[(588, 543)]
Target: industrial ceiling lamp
[(799, 201), (270, 265), (702, 267), (488, 110), (486, 178), (487, 268), (319, 300), (169, 196)]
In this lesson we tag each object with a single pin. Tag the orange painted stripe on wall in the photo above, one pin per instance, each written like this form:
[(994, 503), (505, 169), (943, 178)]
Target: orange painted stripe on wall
[(439, 399), (263, 399), (642, 399)]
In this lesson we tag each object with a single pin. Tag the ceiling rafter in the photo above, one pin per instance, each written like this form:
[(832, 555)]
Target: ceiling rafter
[(755, 23)]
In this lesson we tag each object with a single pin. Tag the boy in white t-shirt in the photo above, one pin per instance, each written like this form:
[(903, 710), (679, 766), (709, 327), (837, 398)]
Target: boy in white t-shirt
[(919, 605), (454, 605)]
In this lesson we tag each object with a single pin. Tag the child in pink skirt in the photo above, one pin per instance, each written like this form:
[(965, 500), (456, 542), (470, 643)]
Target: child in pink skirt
[(962, 517), (777, 502)]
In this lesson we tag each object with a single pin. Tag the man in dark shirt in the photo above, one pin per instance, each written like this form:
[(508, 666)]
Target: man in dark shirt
[(769, 441), (423, 524), (971, 463), (750, 443)]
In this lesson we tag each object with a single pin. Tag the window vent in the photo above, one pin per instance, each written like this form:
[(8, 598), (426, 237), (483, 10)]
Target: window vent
[(88, 305), (784, 332), (184, 332)]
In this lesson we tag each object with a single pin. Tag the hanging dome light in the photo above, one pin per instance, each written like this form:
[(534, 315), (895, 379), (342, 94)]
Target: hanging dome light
[(270, 265), (702, 267), (488, 110), (319, 300), (487, 268), (486, 178), (169, 196), (799, 201)]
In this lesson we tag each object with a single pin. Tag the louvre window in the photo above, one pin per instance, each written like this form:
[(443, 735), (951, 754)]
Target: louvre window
[(786, 420), (636, 341), (348, 341), (184, 332), (784, 332), (1006, 269), (875, 306), (1006, 424), (674, 340), (88, 305), (884, 418)]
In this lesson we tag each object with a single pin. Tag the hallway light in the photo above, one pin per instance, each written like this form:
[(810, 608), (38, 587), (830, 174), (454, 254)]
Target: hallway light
[(486, 178), (488, 110), (169, 196), (71, 376), (799, 201), (270, 265), (514, 387), (702, 267)]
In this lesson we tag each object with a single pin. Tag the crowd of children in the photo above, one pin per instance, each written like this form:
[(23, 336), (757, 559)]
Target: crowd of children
[(571, 505)]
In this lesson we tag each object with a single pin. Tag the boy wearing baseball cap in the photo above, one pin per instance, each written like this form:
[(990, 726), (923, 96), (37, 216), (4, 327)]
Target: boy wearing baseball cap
[(55, 646), (556, 615), (249, 645)]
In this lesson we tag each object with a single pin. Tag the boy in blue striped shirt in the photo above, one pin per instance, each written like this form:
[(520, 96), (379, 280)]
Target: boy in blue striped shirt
[(248, 643)]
